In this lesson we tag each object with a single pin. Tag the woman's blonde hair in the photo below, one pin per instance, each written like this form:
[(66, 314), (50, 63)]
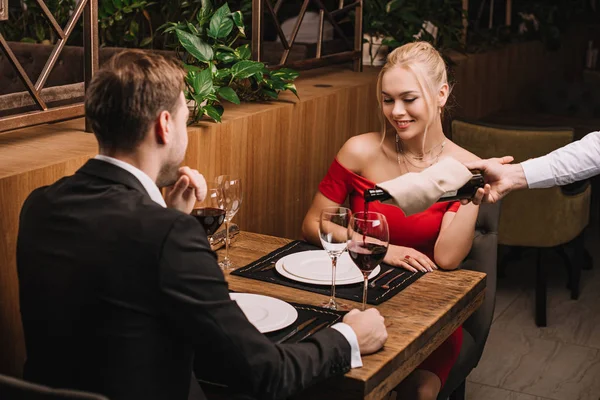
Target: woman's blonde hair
[(428, 67)]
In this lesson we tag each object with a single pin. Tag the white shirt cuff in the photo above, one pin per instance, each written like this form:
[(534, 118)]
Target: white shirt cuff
[(538, 173), (344, 329)]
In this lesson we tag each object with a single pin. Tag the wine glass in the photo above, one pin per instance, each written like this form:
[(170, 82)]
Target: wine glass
[(333, 232), (368, 240), (210, 212), (232, 194)]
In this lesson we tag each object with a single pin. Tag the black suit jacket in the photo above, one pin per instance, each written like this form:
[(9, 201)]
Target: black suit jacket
[(118, 295)]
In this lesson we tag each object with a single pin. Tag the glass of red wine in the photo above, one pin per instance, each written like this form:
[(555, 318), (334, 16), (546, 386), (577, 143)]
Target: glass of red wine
[(232, 196), (333, 232), (368, 240), (211, 211)]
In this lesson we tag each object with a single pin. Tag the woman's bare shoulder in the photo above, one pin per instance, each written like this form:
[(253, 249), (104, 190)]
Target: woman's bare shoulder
[(359, 150), (460, 154)]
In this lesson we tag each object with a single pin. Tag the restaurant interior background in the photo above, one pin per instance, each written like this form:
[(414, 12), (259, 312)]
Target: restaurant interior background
[(526, 80)]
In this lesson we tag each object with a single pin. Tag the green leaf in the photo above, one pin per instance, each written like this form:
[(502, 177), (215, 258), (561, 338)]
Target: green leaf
[(195, 46), (108, 7), (225, 57), (213, 112), (220, 23), (269, 92), (192, 28), (246, 68), (224, 48), (117, 3), (238, 20), (134, 28), (285, 74), (189, 67), (205, 11), (222, 73), (243, 52), (203, 83), (229, 94), (146, 41), (292, 88)]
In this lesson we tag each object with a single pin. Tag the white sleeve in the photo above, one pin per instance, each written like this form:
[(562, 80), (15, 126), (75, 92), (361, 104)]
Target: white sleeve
[(574, 162), (344, 329)]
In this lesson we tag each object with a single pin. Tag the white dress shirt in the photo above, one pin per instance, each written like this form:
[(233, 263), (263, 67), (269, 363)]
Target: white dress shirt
[(156, 196), (574, 162), (144, 179)]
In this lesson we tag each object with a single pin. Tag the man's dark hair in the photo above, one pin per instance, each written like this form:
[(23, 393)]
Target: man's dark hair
[(128, 93)]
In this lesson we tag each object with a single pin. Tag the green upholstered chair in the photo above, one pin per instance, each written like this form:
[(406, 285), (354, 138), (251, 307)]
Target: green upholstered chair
[(541, 218)]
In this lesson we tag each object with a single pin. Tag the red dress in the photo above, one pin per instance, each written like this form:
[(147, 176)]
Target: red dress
[(419, 231)]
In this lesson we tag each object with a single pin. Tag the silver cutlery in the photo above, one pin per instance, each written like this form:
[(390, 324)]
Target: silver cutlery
[(297, 329), (313, 330), (268, 267), (372, 284), (386, 285)]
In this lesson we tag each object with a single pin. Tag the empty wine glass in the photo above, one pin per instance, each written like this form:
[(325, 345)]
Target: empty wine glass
[(368, 240), (232, 195), (210, 212), (333, 232)]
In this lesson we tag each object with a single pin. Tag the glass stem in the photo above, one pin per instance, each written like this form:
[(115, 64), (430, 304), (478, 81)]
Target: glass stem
[(333, 265), (364, 302), (226, 241)]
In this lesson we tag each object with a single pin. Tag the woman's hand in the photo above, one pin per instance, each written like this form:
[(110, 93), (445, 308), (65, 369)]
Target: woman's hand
[(408, 258)]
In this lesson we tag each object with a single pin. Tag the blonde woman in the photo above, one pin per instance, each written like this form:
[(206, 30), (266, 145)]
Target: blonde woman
[(412, 90)]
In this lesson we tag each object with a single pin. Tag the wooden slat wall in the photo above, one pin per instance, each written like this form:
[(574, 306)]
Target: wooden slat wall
[(504, 78)]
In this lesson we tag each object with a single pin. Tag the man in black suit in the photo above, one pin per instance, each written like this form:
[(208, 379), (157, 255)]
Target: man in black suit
[(120, 290)]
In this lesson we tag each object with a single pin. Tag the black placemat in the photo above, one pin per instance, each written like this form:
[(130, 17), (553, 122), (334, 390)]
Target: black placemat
[(306, 313), (376, 295)]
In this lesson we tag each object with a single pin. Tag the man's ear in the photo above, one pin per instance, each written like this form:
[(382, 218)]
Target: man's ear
[(443, 94), (161, 127)]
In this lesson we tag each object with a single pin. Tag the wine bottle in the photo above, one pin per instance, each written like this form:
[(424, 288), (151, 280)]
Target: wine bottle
[(467, 191)]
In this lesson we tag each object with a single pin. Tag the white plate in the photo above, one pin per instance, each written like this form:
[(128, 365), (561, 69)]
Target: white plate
[(314, 267), (266, 313)]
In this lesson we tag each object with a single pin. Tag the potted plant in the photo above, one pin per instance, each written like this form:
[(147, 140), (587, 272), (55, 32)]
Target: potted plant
[(219, 70)]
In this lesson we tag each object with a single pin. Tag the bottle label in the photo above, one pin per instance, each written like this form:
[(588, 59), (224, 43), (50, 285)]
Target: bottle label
[(449, 194)]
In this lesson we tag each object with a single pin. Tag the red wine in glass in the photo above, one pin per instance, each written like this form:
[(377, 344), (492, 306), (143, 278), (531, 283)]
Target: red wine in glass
[(367, 256), (368, 240), (210, 218)]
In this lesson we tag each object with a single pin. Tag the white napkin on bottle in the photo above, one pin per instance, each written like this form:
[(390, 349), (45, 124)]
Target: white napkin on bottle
[(415, 192)]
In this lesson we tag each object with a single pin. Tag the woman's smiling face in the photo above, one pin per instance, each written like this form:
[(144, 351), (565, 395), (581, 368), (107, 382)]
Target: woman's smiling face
[(403, 102)]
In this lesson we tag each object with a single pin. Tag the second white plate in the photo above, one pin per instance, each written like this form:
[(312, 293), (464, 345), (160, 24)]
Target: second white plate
[(314, 267), (266, 313)]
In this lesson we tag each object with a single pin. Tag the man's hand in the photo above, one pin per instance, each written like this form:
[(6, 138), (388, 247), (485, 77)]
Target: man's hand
[(189, 188), (500, 177), (369, 328)]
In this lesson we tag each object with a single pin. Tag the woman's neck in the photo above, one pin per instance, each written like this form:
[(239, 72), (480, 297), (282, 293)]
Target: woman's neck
[(425, 146)]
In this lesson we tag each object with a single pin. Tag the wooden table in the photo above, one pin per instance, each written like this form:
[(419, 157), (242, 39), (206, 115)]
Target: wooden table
[(420, 318)]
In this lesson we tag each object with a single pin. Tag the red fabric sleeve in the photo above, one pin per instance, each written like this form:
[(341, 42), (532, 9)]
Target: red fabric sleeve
[(337, 184), (453, 206)]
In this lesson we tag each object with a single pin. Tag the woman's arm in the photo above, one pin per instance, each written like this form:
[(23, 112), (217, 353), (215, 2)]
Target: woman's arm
[(456, 237), (310, 226)]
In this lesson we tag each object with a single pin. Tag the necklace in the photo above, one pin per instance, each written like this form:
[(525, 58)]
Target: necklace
[(421, 157), (405, 159)]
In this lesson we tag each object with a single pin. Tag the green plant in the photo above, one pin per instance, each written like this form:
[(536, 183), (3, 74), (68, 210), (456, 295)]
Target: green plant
[(28, 23), (218, 70), (401, 21), (125, 23)]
